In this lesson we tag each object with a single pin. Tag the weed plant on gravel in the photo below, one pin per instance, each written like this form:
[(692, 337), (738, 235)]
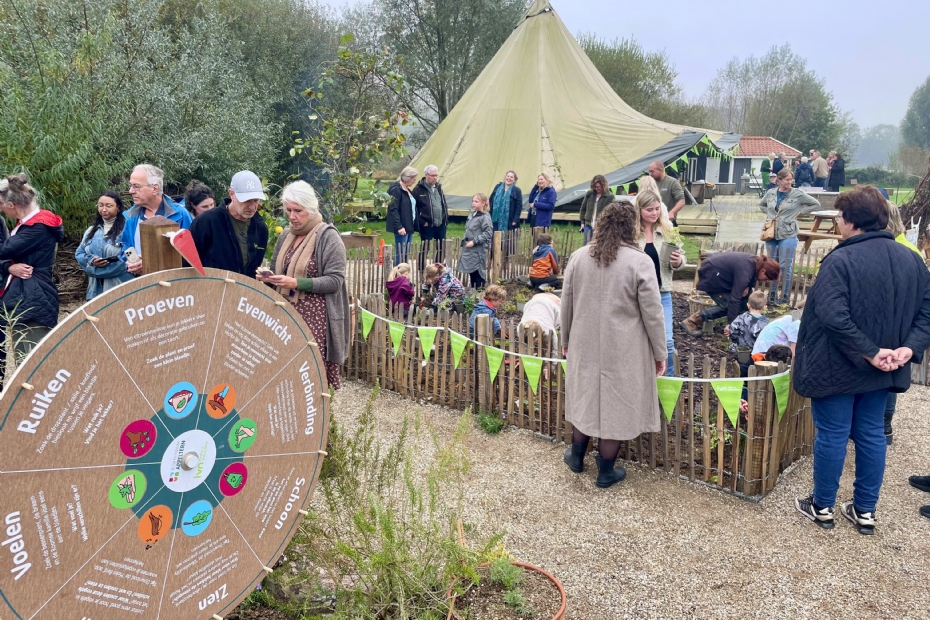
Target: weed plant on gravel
[(490, 422), (385, 539)]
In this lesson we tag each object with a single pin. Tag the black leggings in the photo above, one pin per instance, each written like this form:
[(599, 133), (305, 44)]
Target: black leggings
[(537, 282), (476, 280)]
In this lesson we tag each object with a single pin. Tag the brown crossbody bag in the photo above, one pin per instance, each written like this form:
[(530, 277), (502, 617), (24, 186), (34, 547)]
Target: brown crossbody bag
[(768, 229)]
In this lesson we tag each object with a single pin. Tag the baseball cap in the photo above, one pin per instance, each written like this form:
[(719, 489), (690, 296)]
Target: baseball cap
[(247, 186), (771, 174)]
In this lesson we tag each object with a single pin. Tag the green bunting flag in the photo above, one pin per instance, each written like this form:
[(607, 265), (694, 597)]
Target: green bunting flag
[(495, 357), (684, 158), (427, 337), (674, 165), (781, 385), (368, 319), (397, 333), (565, 367), (729, 392), (626, 187), (458, 346), (532, 366), (669, 389)]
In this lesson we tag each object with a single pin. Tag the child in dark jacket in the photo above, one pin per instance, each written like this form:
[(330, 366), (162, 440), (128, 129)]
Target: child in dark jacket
[(744, 330), (447, 286), (545, 262), (493, 296), (400, 291)]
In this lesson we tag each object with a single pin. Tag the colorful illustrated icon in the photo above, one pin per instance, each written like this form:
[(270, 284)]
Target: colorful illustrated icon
[(221, 400), (128, 488), (242, 435), (175, 476), (197, 518), (138, 438), (154, 524), (180, 400), (233, 479)]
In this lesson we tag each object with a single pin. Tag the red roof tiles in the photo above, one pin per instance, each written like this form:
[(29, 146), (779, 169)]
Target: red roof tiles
[(758, 146)]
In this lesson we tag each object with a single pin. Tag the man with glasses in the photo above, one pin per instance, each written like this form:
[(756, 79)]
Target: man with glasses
[(433, 213), (145, 187), (234, 236)]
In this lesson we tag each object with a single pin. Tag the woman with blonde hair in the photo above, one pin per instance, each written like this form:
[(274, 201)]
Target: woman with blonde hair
[(542, 202), (614, 339), (652, 224), (401, 213), (309, 263), (479, 232)]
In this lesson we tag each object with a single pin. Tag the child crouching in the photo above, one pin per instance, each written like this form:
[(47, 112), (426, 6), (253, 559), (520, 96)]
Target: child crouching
[(545, 263), (493, 296), (400, 291)]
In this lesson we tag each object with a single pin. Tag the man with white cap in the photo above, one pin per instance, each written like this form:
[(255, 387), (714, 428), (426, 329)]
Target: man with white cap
[(234, 236)]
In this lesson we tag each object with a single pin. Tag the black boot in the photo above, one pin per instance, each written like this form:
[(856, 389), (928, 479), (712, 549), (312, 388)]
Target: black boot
[(607, 473), (889, 433), (574, 456)]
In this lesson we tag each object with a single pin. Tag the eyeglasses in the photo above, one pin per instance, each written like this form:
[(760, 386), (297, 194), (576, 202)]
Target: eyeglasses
[(137, 187)]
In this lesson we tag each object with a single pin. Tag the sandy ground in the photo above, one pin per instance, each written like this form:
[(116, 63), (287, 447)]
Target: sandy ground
[(657, 547)]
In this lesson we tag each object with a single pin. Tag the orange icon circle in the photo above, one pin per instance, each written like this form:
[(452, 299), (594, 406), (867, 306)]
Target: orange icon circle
[(154, 524), (221, 400)]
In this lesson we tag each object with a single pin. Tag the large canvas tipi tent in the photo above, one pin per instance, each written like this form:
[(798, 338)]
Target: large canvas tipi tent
[(541, 105)]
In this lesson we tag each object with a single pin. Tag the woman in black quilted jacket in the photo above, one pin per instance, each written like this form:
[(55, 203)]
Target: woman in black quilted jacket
[(866, 317)]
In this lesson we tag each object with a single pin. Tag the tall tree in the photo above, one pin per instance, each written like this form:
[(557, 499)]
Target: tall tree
[(92, 87), (876, 145), (778, 96), (444, 45), (647, 81), (915, 128)]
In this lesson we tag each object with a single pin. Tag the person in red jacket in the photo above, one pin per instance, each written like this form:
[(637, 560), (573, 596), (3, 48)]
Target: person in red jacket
[(545, 262)]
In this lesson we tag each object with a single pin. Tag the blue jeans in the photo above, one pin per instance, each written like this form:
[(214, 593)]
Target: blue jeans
[(401, 247), (839, 418), (588, 233), (669, 337), (820, 182), (782, 250)]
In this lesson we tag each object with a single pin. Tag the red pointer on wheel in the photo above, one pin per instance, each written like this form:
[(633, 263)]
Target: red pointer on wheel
[(184, 243)]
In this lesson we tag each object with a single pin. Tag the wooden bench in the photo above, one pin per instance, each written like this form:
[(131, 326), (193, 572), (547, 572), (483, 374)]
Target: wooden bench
[(808, 237)]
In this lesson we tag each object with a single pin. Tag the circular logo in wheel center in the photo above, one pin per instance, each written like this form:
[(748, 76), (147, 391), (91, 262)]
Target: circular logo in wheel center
[(188, 461)]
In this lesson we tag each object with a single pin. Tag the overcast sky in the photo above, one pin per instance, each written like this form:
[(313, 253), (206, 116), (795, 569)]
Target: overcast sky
[(872, 54)]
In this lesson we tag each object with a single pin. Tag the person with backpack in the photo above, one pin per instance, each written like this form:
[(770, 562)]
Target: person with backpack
[(804, 174)]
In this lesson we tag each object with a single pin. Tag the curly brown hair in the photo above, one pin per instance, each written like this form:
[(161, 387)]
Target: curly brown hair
[(616, 226)]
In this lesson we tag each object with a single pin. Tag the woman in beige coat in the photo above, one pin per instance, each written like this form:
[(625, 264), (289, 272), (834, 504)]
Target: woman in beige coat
[(613, 335)]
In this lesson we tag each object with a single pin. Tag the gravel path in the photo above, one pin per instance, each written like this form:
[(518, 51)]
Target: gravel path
[(657, 547)]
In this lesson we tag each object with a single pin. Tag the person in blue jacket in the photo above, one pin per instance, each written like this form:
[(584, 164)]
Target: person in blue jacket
[(100, 253), (542, 201), (146, 185)]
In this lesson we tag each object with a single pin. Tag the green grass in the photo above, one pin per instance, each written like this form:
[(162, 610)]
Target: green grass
[(899, 197)]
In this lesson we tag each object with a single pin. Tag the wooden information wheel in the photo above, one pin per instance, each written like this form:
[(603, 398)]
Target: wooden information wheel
[(157, 450)]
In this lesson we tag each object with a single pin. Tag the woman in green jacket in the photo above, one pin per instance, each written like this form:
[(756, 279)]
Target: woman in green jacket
[(784, 204), (595, 199)]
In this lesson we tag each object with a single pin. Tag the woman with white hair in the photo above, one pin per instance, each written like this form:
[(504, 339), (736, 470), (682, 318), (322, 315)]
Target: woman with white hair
[(402, 214), (804, 174), (309, 264)]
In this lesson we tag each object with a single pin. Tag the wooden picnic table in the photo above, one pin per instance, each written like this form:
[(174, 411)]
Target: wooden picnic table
[(815, 232)]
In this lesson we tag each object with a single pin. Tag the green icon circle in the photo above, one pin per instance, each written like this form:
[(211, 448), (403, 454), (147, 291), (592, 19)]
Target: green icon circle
[(242, 435), (127, 489)]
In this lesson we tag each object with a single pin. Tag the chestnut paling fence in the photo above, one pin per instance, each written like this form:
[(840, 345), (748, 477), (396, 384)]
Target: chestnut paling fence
[(699, 441), (511, 256)]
